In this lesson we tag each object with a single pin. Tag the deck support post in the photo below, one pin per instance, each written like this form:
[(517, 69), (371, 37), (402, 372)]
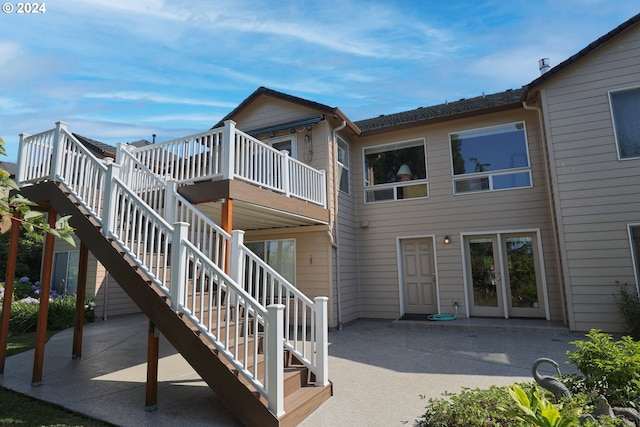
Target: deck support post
[(78, 321), (43, 311), (153, 344), (10, 276)]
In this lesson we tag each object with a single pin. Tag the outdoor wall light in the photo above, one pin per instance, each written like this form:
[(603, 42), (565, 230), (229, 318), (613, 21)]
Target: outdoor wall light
[(447, 240)]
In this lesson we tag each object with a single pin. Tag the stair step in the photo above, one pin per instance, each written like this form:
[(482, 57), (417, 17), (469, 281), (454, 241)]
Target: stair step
[(300, 404), (301, 397)]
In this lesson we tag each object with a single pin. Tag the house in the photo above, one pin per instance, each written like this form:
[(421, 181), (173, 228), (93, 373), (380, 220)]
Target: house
[(518, 204)]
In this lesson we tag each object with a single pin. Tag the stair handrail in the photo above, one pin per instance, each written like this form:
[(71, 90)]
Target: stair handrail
[(149, 186), (136, 226), (305, 329), (305, 319)]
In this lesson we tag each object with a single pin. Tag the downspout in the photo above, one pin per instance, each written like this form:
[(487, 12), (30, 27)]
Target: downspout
[(335, 236), (566, 313)]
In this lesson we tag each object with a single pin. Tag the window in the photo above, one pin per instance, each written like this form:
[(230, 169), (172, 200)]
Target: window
[(65, 272), (625, 107), (343, 165), (494, 158), (279, 254), (395, 171), (634, 236), (285, 143)]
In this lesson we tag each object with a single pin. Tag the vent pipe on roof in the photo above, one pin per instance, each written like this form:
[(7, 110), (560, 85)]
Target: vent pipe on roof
[(154, 138), (543, 64)]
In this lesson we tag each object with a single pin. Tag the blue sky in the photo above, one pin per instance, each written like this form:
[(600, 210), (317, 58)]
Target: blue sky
[(121, 70)]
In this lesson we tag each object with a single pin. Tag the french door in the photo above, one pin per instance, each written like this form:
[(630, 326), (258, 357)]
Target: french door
[(504, 275)]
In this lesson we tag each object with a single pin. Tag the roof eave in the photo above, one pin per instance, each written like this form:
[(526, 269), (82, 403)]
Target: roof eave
[(441, 119)]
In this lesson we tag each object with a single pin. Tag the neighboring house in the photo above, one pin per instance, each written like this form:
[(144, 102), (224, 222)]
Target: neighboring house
[(522, 203)]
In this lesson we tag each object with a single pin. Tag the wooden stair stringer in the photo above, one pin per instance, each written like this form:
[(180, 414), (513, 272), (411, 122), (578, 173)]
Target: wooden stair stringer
[(234, 395)]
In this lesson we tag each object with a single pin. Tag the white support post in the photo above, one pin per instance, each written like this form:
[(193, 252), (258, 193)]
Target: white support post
[(178, 264), (324, 188), (322, 341), (128, 174), (285, 174), (236, 262), (228, 149), (170, 202), (110, 198), (275, 358), (56, 156), (21, 173)]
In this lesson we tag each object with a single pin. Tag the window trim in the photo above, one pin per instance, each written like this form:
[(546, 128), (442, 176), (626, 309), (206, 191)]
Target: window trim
[(635, 255), (490, 174), (68, 253), (340, 140), (394, 186), (613, 120), (290, 137)]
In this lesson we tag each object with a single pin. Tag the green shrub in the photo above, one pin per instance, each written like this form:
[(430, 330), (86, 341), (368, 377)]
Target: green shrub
[(61, 313), (610, 368), (535, 408), (472, 408), (24, 317), (629, 305), (24, 289)]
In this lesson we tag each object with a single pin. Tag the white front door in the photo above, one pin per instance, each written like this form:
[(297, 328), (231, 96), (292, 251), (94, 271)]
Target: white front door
[(418, 274)]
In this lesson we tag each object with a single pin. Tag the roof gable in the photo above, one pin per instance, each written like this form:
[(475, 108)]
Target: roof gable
[(266, 92), (584, 52)]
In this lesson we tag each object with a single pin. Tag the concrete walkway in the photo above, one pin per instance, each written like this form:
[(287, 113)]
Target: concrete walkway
[(379, 370)]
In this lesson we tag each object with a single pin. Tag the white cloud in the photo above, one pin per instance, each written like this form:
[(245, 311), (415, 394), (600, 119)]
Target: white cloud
[(142, 96)]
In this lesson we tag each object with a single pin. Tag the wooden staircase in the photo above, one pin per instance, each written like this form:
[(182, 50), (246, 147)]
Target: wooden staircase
[(301, 396)]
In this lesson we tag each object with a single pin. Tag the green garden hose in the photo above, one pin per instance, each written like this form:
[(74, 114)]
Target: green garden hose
[(444, 316)]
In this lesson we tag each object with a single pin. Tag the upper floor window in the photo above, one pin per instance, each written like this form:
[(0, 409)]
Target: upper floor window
[(395, 171), (488, 159), (343, 165), (285, 143), (625, 108)]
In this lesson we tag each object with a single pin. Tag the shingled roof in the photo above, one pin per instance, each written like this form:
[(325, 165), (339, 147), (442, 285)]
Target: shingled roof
[(449, 110), (97, 147)]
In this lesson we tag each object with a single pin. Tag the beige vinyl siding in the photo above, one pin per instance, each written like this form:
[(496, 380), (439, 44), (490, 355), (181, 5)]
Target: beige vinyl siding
[(444, 213), (101, 287), (111, 300), (273, 112), (347, 240), (596, 194)]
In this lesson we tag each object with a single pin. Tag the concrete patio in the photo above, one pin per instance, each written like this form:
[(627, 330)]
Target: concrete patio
[(379, 370)]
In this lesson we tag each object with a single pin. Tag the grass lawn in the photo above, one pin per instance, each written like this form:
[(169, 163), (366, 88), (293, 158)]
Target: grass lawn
[(17, 409)]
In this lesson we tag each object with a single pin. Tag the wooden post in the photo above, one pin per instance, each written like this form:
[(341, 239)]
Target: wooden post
[(10, 276), (227, 225), (151, 402), (81, 293), (43, 312)]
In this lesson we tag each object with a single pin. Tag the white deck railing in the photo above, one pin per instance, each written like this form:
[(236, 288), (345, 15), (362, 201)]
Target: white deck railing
[(225, 289), (228, 153)]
